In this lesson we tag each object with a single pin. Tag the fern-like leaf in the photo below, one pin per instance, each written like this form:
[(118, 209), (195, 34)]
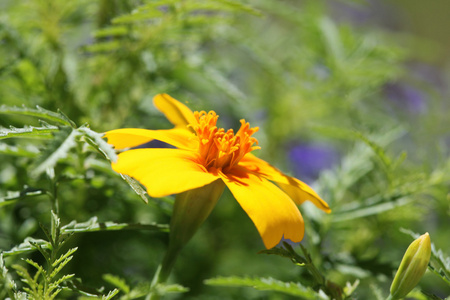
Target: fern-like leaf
[(110, 295), (96, 140), (93, 225), (136, 186), (63, 142), (12, 196), (26, 278), (7, 284), (27, 246), (117, 282), (38, 112), (28, 131), (61, 262)]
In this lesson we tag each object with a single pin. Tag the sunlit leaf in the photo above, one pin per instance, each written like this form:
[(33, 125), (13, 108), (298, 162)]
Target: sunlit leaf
[(116, 281), (99, 143), (93, 225), (12, 196), (29, 131), (38, 112), (63, 142), (27, 246)]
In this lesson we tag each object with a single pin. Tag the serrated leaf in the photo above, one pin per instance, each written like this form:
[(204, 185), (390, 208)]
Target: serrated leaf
[(110, 295), (99, 143), (23, 272), (12, 197), (92, 225), (264, 284), (27, 246), (39, 112), (28, 131), (36, 265), (117, 282), (63, 142), (64, 256), (76, 285), (136, 186), (6, 282)]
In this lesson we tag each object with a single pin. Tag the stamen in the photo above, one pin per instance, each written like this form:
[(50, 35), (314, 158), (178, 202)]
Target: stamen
[(222, 149)]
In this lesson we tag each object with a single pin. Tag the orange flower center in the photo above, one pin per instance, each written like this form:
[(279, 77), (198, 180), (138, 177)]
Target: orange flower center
[(220, 149)]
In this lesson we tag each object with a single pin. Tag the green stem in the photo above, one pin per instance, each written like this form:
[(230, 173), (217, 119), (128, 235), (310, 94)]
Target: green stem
[(163, 272), (191, 208)]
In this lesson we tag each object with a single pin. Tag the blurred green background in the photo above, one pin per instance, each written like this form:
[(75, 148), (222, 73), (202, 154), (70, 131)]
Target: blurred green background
[(350, 96)]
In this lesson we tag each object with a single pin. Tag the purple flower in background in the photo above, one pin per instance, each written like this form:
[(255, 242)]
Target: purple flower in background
[(308, 160), (407, 97)]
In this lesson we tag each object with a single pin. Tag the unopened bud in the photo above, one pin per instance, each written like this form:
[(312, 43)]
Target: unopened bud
[(413, 266)]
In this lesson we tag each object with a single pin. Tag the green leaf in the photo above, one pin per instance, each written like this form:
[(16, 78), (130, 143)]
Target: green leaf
[(28, 131), (27, 246), (105, 46), (63, 141), (23, 272), (6, 282), (12, 197), (92, 225), (386, 203), (75, 285), (64, 256), (117, 282), (110, 295), (163, 289), (96, 140), (28, 151), (58, 117), (136, 186), (264, 284), (111, 31)]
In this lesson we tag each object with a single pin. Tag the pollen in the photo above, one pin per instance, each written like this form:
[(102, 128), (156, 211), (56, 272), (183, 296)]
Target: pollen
[(220, 149)]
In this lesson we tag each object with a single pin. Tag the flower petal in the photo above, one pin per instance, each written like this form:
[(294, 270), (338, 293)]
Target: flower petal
[(132, 137), (164, 171), (176, 112), (274, 214), (296, 189)]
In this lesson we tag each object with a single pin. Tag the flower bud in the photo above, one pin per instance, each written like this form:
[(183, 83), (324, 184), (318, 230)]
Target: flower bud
[(413, 266)]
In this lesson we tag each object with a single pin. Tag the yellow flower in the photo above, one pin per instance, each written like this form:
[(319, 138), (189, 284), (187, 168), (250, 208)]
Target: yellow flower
[(205, 154)]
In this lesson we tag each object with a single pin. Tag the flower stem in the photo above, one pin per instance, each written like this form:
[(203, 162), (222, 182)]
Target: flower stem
[(163, 272)]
